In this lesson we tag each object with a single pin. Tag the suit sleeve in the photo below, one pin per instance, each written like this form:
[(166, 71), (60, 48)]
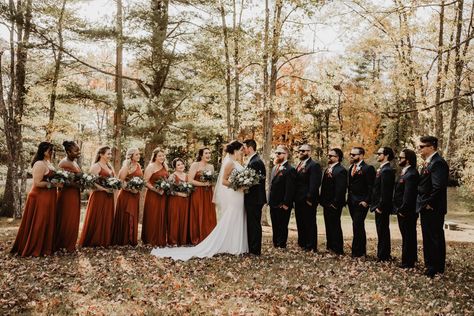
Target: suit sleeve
[(409, 194), (290, 187), (341, 187), (387, 180), (370, 179), (314, 183), (439, 182)]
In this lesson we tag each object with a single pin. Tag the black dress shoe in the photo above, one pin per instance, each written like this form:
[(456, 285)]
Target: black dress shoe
[(406, 266), (430, 273)]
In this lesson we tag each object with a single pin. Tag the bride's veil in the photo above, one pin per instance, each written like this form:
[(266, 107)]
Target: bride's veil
[(217, 198)]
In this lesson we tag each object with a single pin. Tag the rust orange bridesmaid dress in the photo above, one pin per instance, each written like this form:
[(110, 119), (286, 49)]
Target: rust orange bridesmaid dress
[(126, 214), (178, 208), (68, 216), (154, 213), (36, 234), (98, 225), (202, 213)]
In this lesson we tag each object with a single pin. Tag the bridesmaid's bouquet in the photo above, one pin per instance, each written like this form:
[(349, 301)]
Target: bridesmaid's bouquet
[(182, 187), (86, 180), (209, 176), (163, 184), (244, 179), (61, 176), (110, 183), (135, 183)]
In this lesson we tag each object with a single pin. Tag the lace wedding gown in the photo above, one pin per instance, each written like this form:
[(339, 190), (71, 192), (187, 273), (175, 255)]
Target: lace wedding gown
[(230, 233)]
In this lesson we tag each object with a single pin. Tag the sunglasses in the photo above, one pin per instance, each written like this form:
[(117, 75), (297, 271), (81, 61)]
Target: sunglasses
[(378, 154), (400, 157), (423, 146), (353, 155), (332, 156), (279, 153), (302, 151)]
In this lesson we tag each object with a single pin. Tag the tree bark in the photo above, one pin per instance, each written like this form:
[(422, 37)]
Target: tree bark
[(118, 113), (236, 27), (439, 128), (230, 134)]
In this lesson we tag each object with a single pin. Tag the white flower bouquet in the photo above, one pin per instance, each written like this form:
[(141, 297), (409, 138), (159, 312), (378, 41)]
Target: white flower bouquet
[(163, 184), (110, 183), (62, 176), (209, 176), (135, 183), (86, 180), (244, 179), (182, 187)]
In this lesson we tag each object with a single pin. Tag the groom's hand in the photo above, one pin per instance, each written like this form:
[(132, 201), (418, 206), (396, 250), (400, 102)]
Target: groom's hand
[(283, 206)]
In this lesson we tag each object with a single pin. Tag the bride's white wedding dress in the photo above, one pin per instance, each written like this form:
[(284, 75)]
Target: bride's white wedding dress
[(230, 233)]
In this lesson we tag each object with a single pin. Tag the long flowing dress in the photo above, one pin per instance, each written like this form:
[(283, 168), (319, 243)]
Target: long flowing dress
[(98, 225), (126, 214), (68, 216), (178, 209), (36, 234), (154, 213), (230, 234), (202, 213)]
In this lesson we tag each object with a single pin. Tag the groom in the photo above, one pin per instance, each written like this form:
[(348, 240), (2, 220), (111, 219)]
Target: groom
[(254, 199)]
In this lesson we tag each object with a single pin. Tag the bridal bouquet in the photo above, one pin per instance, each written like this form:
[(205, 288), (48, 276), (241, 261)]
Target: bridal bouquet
[(86, 180), (136, 183), (244, 179), (110, 183), (163, 184), (209, 176), (182, 187), (62, 176)]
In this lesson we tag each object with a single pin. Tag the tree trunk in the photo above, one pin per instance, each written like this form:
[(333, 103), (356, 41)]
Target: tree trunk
[(230, 134), (438, 111), (12, 110), (117, 128), (236, 26), (458, 66), (57, 68)]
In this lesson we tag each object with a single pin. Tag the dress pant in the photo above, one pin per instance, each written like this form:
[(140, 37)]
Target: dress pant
[(434, 244), (359, 241), (306, 224), (280, 220), (382, 223), (407, 225), (332, 222), (254, 227)]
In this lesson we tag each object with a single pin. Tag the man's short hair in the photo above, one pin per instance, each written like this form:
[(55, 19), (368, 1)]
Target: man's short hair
[(360, 149), (410, 155), (387, 151), (251, 143), (431, 140), (339, 153)]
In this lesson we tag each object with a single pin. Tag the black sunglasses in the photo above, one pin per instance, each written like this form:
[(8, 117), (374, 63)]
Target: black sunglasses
[(353, 155), (400, 157), (332, 156), (279, 153), (379, 154), (423, 146)]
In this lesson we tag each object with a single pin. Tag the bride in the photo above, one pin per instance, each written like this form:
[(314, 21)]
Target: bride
[(230, 233)]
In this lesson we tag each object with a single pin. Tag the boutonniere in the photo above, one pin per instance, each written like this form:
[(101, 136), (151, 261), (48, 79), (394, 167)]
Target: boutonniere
[(378, 173), (329, 173), (401, 180)]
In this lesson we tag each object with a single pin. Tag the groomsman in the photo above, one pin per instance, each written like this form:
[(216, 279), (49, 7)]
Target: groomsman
[(382, 201), (404, 205), (308, 181), (431, 203), (282, 189), (361, 180), (333, 199), (255, 198)]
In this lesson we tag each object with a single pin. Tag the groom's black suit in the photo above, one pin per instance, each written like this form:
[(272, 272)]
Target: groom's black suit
[(254, 201), (282, 191)]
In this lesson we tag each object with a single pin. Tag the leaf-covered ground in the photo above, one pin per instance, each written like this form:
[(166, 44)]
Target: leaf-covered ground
[(128, 281)]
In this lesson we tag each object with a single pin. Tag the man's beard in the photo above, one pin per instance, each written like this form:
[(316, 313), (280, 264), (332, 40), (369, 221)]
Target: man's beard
[(279, 160), (403, 163), (304, 157)]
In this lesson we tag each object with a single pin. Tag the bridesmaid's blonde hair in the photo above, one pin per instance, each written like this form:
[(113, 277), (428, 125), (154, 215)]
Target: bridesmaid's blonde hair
[(128, 157)]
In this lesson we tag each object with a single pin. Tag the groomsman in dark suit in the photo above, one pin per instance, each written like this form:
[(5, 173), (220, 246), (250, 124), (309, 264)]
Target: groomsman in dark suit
[(404, 205), (255, 198), (333, 199), (361, 181), (308, 181), (282, 189), (382, 201), (431, 203)]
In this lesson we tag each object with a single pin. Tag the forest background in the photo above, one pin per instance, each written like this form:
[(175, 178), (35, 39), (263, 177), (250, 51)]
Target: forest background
[(182, 74)]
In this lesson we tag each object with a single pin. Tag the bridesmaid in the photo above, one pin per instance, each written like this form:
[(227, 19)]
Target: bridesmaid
[(128, 202), (178, 207), (98, 225), (36, 234), (69, 202), (202, 212), (154, 212)]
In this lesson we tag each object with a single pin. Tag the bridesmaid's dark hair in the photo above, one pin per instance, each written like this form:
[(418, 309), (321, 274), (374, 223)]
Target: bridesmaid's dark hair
[(101, 151), (43, 147), (233, 146), (155, 153), (175, 161), (201, 153), (69, 145)]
